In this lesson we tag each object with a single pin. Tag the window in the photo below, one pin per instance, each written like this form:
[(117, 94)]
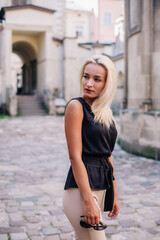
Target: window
[(79, 31), (107, 19), (19, 2)]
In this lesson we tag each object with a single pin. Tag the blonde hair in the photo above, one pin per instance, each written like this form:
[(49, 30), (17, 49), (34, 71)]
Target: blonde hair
[(101, 105)]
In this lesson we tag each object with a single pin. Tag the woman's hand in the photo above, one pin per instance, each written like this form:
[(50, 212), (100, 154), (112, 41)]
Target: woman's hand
[(114, 213), (91, 212)]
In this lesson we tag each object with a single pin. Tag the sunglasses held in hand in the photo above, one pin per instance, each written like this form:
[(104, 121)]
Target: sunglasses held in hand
[(99, 227)]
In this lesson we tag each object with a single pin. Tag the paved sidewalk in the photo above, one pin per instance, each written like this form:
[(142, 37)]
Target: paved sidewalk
[(33, 168)]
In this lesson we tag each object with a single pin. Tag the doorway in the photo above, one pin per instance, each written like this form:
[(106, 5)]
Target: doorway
[(27, 77)]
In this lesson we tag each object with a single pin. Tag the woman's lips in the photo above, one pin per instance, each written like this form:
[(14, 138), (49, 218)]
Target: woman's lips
[(88, 90)]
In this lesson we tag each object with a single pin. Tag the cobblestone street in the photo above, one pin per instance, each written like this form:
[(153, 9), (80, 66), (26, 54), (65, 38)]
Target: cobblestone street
[(33, 168)]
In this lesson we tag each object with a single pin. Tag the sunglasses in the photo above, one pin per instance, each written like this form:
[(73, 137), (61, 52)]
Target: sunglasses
[(99, 227)]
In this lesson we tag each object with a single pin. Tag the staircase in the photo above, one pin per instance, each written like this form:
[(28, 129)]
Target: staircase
[(30, 105)]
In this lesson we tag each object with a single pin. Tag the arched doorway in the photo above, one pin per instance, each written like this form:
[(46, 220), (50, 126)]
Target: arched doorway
[(29, 69)]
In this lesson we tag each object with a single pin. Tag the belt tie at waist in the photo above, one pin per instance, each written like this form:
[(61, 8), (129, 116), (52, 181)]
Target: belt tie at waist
[(107, 167), (108, 174)]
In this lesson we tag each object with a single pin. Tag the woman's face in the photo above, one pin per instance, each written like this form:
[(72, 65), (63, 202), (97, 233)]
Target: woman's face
[(93, 81)]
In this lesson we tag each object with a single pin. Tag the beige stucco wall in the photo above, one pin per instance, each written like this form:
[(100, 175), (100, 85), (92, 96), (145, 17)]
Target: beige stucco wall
[(6, 56), (58, 17), (29, 20), (30, 28), (75, 18), (74, 58), (28, 37), (49, 63), (108, 6)]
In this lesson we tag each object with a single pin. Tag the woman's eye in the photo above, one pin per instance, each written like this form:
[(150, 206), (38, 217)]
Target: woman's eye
[(85, 76), (97, 80)]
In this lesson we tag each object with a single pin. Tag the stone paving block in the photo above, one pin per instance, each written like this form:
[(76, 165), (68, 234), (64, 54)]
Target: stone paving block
[(3, 216), (17, 223), (127, 223), (56, 212), (4, 196), (33, 219), (157, 237), (34, 232), (66, 236), (45, 213), (111, 230), (36, 238), (16, 216), (19, 236), (11, 230), (50, 231), (130, 235), (27, 204), (57, 223), (147, 224), (26, 208), (3, 237), (4, 224), (28, 213), (149, 204), (12, 203), (153, 231), (32, 226), (157, 222), (56, 237), (135, 205), (12, 209)]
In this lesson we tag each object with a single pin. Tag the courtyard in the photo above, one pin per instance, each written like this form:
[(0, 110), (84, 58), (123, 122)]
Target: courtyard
[(33, 167)]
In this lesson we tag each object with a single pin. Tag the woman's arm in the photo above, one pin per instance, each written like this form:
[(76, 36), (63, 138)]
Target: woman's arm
[(115, 210), (73, 131)]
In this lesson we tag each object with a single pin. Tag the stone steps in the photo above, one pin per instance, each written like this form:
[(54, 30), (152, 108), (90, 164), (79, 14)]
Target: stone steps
[(30, 105)]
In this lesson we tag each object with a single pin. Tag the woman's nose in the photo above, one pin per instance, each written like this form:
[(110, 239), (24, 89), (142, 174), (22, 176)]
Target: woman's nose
[(89, 83)]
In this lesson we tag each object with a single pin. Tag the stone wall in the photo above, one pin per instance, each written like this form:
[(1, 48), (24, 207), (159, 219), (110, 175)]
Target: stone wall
[(140, 132), (156, 56), (140, 118)]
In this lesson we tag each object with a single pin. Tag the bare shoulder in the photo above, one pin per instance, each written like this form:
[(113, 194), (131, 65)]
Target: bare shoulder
[(74, 109)]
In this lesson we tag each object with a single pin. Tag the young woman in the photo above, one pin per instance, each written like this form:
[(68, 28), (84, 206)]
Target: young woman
[(90, 131)]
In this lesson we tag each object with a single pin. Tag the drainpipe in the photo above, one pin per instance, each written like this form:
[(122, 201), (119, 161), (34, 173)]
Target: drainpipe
[(4, 107), (125, 99), (147, 61)]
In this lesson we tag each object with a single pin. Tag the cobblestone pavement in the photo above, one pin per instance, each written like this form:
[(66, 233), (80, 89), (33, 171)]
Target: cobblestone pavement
[(33, 168)]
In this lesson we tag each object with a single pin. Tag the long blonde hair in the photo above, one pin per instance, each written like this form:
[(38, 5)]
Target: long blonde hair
[(101, 105)]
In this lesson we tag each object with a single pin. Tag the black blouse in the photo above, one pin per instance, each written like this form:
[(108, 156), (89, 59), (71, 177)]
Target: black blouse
[(98, 142)]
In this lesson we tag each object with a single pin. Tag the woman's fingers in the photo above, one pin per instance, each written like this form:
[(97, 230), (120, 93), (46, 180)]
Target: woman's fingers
[(86, 219), (97, 220), (114, 213), (92, 220)]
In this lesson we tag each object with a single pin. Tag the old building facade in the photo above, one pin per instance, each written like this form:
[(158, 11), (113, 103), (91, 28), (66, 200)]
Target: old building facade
[(140, 117), (51, 43)]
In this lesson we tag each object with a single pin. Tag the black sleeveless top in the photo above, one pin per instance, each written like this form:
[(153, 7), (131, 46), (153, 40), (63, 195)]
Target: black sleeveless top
[(98, 142)]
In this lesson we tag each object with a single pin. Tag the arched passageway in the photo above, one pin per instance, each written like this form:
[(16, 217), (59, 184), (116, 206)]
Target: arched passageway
[(29, 69)]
